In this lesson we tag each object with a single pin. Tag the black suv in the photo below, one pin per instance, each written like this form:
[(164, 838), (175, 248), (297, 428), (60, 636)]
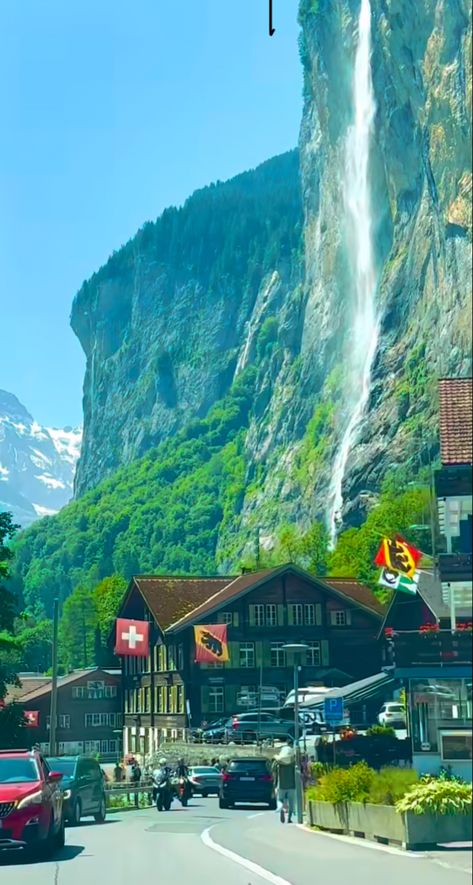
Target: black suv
[(247, 780), (246, 728), (83, 787)]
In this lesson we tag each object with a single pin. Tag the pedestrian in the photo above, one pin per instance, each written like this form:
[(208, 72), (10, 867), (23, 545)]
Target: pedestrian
[(135, 772), (118, 773), (286, 782)]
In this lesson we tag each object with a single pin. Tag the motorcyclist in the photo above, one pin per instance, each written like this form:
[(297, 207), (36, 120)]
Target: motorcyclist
[(162, 782), (162, 772), (182, 769)]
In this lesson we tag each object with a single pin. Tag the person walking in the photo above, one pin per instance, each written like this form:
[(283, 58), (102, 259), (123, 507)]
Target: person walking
[(286, 782)]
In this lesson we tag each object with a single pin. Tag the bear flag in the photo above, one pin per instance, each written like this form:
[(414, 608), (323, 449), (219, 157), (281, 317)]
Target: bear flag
[(211, 646)]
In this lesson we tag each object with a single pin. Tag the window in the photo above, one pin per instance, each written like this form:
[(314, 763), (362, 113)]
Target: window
[(101, 720), (170, 699), (278, 655), (110, 691), (456, 745), (259, 615), (92, 746), (271, 615), (180, 699), (340, 618), (180, 657), (146, 706), (171, 657), (162, 658), (297, 614), (226, 618), (62, 721), (95, 690), (309, 614), (437, 704), (216, 699), (313, 656), (247, 654)]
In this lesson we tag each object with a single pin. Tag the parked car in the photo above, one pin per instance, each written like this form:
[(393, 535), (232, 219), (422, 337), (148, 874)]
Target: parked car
[(210, 733), (205, 780), (392, 713), (31, 803), (248, 727), (83, 787), (247, 780)]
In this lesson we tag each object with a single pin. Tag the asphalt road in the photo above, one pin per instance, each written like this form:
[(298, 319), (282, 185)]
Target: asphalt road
[(202, 844)]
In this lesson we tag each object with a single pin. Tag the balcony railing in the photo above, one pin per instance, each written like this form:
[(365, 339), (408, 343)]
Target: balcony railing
[(429, 646)]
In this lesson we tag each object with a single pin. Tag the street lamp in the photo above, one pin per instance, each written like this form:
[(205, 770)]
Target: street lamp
[(297, 649)]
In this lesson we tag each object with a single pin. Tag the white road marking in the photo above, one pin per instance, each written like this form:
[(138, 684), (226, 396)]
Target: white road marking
[(365, 843), (242, 861), (258, 814)]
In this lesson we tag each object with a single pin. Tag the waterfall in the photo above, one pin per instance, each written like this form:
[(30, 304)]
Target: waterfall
[(365, 327)]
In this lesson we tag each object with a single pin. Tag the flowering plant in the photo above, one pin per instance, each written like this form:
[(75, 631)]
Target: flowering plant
[(429, 628)]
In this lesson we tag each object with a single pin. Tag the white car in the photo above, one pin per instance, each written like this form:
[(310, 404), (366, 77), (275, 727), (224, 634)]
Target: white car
[(392, 713)]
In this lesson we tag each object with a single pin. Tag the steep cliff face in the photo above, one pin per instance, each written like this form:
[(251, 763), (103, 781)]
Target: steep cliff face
[(224, 333), (420, 180), (178, 311)]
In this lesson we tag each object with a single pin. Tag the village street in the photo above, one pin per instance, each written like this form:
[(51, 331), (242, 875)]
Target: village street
[(202, 844)]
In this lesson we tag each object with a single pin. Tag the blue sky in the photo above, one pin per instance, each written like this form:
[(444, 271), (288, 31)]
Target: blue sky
[(111, 111)]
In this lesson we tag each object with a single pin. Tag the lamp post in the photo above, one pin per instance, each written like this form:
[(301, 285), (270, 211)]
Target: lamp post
[(297, 649)]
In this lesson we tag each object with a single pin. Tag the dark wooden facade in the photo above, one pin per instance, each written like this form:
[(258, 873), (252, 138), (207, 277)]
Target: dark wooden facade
[(168, 692), (89, 710)]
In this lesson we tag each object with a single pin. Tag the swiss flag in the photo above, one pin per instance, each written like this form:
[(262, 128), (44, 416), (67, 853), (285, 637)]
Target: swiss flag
[(32, 718), (132, 638)]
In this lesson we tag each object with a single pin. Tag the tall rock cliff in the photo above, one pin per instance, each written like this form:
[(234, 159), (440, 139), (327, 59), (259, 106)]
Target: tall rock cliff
[(220, 341)]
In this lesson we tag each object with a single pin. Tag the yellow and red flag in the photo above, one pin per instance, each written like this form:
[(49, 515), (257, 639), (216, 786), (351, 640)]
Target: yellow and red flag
[(397, 555), (211, 644)]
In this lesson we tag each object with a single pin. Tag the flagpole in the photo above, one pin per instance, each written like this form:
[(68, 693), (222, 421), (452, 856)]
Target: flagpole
[(53, 708)]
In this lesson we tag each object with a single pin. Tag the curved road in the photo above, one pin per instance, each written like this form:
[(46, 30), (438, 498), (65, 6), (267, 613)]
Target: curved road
[(203, 844)]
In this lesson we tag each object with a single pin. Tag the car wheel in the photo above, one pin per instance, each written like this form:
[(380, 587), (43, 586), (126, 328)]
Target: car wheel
[(222, 803), (204, 794), (60, 838), (102, 812), (76, 813)]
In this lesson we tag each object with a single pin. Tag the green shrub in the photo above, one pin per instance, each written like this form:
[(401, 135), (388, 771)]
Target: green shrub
[(391, 784), (437, 797), (344, 785), (381, 731)]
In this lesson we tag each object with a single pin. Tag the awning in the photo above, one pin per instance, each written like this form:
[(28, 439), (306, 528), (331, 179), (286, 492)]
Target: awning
[(356, 691)]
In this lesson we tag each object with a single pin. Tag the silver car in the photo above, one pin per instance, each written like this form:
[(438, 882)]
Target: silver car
[(205, 780)]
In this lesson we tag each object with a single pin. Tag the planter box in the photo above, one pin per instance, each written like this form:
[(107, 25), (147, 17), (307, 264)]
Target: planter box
[(382, 823)]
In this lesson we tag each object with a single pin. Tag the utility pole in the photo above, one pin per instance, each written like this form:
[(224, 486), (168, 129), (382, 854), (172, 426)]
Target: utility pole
[(53, 709)]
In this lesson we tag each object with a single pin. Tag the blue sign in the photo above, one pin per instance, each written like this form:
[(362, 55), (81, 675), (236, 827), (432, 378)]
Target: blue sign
[(333, 711)]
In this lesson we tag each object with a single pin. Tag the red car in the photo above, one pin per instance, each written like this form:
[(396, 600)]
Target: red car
[(31, 813)]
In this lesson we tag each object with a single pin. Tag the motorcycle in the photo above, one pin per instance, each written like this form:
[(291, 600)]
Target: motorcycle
[(183, 791), (162, 792)]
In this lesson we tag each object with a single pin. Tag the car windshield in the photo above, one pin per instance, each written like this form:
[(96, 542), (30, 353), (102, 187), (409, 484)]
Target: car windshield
[(65, 766), (18, 771), (396, 707)]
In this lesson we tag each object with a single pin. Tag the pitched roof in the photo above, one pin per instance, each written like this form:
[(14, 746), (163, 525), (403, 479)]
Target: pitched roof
[(346, 587), (357, 592), (170, 599), (26, 686), (456, 438), (69, 679)]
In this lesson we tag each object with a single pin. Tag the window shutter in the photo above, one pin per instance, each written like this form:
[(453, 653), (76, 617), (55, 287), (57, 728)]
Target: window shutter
[(290, 615), (236, 619), (325, 653), (266, 654), (318, 614), (234, 652), (280, 616), (204, 699), (333, 619), (174, 699), (348, 617), (252, 615), (259, 653)]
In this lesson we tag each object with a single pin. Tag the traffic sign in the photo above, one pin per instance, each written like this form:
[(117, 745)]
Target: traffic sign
[(333, 710)]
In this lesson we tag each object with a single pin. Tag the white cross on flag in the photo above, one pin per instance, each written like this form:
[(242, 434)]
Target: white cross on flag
[(132, 638)]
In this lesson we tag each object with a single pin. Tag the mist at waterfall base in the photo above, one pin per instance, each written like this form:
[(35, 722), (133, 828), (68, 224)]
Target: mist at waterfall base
[(359, 227)]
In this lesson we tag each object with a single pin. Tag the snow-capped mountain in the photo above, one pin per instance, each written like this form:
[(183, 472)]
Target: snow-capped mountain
[(37, 464)]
